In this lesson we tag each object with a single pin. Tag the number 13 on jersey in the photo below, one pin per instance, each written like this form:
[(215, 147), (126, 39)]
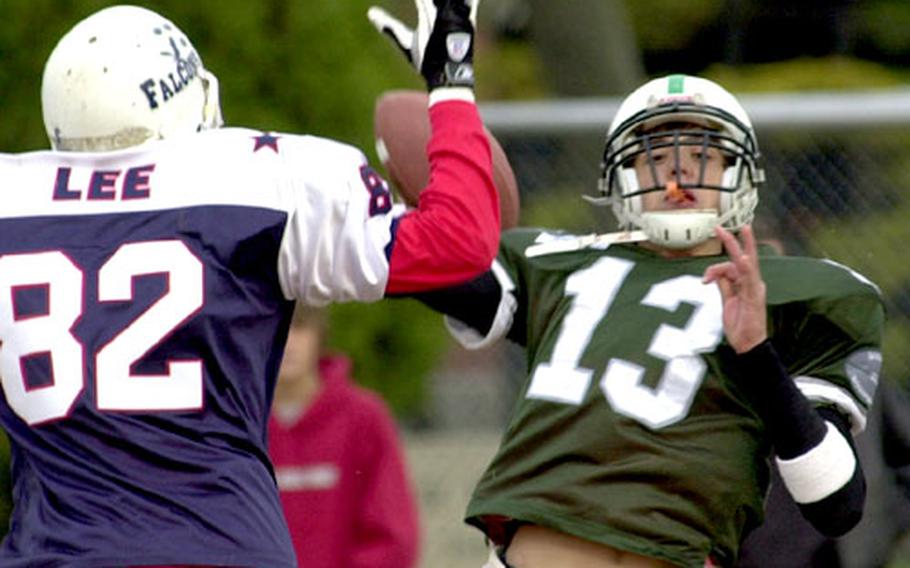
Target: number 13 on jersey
[(592, 291)]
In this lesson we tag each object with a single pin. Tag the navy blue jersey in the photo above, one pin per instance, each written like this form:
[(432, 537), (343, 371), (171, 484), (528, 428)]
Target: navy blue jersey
[(142, 296)]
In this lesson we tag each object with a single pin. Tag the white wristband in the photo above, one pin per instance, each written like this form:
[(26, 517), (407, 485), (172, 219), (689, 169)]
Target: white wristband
[(451, 94), (821, 471)]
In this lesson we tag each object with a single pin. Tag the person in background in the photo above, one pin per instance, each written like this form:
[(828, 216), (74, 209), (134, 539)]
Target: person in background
[(338, 461)]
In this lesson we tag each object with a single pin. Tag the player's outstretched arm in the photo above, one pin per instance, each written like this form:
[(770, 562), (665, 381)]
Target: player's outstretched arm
[(453, 235), (815, 453)]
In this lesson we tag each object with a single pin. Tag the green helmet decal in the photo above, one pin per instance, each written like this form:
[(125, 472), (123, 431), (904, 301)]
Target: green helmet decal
[(675, 84)]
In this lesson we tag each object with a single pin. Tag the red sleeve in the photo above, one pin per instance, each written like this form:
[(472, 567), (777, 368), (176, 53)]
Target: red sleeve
[(453, 234), (387, 531)]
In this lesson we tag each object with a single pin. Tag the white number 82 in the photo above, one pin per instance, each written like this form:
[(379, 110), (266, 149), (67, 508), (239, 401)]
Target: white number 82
[(117, 389)]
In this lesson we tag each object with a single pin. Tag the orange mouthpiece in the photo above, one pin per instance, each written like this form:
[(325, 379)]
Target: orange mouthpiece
[(674, 193)]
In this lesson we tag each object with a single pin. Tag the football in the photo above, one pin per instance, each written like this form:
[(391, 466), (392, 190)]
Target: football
[(401, 126)]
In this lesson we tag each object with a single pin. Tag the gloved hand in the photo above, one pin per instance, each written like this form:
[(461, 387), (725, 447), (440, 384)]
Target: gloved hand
[(441, 47)]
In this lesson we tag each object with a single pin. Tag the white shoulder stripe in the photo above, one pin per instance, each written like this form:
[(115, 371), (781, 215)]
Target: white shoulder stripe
[(819, 391), (548, 244)]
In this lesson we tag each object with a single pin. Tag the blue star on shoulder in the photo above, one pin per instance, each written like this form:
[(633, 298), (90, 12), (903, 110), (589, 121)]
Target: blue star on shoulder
[(266, 140)]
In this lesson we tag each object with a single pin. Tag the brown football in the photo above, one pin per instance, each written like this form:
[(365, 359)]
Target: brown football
[(401, 126)]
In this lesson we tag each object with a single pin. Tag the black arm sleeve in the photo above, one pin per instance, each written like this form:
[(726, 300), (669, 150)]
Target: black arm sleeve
[(795, 428), (474, 303), (792, 424)]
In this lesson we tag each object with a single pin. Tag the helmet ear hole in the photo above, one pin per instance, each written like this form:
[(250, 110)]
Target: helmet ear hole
[(121, 77)]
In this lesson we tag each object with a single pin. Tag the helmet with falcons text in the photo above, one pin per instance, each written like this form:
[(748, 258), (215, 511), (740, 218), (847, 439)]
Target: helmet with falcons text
[(121, 77), (659, 126)]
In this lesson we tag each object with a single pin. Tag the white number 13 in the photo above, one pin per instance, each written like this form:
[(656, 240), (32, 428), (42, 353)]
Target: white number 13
[(117, 389), (593, 291)]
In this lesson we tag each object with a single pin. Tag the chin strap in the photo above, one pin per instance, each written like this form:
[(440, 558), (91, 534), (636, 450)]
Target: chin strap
[(211, 112)]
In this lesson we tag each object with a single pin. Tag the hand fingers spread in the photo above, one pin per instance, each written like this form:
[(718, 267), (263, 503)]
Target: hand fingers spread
[(387, 24), (731, 245), (749, 245), (474, 5), (426, 13), (746, 255), (379, 17), (721, 271), (726, 288)]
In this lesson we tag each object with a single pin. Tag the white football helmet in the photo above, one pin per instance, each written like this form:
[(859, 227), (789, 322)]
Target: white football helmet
[(690, 111), (121, 77)]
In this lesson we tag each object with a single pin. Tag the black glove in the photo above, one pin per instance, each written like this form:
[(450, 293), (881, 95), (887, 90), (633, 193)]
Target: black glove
[(442, 45)]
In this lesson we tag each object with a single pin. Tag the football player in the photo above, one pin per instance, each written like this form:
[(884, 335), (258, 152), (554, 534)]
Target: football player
[(149, 267), (667, 363)]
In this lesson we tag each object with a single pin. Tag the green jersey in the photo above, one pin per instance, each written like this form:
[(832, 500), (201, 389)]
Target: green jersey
[(631, 429)]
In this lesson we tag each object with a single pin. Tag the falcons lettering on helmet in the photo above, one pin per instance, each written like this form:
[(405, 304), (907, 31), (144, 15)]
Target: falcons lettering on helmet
[(185, 70)]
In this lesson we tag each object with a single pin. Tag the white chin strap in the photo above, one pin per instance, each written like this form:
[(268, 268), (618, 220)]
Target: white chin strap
[(680, 229), (211, 112)]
